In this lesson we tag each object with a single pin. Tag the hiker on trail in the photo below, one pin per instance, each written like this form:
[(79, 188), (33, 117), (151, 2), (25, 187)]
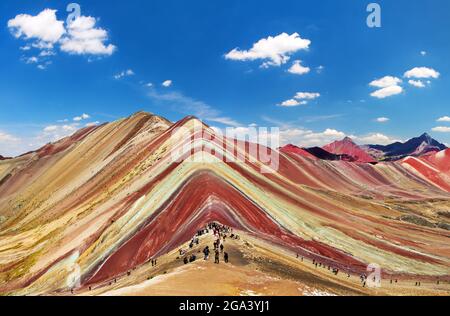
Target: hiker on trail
[(217, 257), (225, 257), (221, 248), (185, 260), (193, 258), (206, 252)]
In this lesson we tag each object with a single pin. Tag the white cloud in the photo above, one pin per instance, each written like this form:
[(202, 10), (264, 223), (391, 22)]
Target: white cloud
[(319, 69), (444, 119), (6, 138), (382, 119), (389, 86), (149, 84), (45, 31), (374, 138), (86, 39), (10, 145), (441, 129), (385, 82), (46, 53), (423, 53), (43, 27), (50, 128), (274, 50), (32, 60), (298, 69), (416, 83), (92, 124), (125, 73), (83, 116), (422, 72), (167, 83), (292, 103), (307, 95), (387, 92)]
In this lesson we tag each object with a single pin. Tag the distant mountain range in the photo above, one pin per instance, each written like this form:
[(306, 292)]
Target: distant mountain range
[(417, 146), (347, 150)]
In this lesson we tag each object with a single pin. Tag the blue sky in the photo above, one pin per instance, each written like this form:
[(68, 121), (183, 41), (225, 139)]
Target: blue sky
[(373, 84)]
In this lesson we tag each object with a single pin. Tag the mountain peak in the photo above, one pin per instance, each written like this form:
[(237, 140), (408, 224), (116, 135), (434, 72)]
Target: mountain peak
[(349, 148), (348, 140), (425, 136)]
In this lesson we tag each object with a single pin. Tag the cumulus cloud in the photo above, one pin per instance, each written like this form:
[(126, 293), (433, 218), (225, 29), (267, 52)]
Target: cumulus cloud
[(441, 129), (167, 83), (385, 82), (125, 73), (416, 83), (382, 119), (86, 39), (422, 72), (387, 92), (298, 69), (32, 60), (374, 138), (274, 51), (444, 119), (44, 32), (292, 103), (301, 98), (307, 95), (43, 27), (290, 133), (83, 116), (388, 85)]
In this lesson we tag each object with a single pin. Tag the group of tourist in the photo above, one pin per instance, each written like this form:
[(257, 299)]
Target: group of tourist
[(220, 233)]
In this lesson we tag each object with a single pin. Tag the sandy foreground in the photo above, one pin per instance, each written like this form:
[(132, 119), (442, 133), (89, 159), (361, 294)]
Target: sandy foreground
[(255, 269)]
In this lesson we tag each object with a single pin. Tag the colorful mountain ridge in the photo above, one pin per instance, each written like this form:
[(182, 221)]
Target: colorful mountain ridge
[(109, 198)]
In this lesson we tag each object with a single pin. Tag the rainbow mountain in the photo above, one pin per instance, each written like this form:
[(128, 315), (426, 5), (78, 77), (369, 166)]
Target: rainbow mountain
[(108, 199)]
